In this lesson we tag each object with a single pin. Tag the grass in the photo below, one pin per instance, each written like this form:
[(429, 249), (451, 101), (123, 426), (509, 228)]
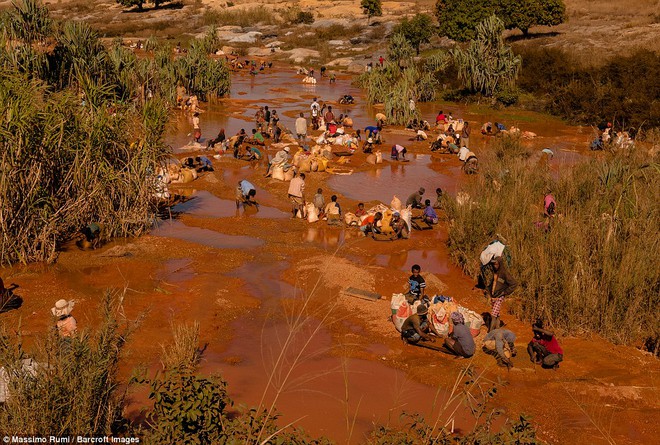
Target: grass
[(240, 17), (595, 270)]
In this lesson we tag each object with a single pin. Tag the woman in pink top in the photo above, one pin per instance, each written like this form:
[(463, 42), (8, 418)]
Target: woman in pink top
[(66, 324)]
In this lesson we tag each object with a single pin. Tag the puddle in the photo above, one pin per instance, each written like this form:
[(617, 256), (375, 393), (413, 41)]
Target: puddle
[(430, 260), (207, 205), (176, 270), (400, 179), (177, 229), (319, 233)]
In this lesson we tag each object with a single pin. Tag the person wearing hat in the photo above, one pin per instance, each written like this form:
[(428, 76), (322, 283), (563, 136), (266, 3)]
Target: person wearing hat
[(417, 327), (399, 227), (66, 325), (460, 341), (280, 158), (368, 146), (415, 200)]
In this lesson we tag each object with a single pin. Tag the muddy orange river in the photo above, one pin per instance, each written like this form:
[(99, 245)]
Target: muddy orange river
[(266, 290)]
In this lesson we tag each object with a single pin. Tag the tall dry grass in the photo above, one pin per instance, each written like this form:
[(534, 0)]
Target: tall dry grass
[(83, 129), (596, 269), (71, 387)]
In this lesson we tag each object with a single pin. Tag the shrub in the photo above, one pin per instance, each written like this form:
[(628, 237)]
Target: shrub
[(246, 17), (595, 269), (296, 16), (487, 65), (624, 90), (459, 18), (371, 8), (417, 30)]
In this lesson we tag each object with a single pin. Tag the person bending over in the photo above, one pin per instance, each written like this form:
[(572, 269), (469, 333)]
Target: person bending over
[(245, 193)]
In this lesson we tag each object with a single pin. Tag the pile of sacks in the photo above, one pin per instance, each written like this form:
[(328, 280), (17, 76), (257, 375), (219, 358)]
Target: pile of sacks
[(384, 225), (171, 171), (314, 162), (457, 125), (439, 314)]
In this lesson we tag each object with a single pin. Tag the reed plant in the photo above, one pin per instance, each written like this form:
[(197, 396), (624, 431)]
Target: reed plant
[(65, 387), (83, 129), (592, 268), (402, 79)]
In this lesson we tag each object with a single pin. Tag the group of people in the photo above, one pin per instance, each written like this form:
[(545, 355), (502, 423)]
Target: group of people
[(543, 349)]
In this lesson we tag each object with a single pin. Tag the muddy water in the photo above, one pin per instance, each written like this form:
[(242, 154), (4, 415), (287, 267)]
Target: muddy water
[(393, 178), (178, 230), (285, 358), (349, 369)]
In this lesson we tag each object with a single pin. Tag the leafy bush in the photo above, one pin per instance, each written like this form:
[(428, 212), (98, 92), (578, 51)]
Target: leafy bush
[(459, 18), (296, 16), (371, 8), (89, 122), (596, 269)]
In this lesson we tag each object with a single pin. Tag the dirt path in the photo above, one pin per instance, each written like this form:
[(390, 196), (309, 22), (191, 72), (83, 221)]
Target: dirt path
[(247, 278)]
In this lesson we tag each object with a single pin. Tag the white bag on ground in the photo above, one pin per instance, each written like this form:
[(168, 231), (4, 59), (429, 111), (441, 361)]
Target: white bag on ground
[(379, 157), (312, 212), (396, 204), (401, 309), (278, 173)]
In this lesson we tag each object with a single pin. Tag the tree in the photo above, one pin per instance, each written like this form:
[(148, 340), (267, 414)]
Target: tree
[(371, 8), (487, 65), (459, 18), (523, 14), (399, 51), (417, 30)]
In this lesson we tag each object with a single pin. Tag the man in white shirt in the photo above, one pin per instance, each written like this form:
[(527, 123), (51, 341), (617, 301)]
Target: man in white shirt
[(316, 114)]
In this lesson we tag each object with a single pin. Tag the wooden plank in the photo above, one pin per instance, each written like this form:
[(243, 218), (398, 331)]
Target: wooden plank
[(359, 293)]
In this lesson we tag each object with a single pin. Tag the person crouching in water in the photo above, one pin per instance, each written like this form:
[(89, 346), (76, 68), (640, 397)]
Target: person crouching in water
[(398, 152), (245, 193), (544, 348), (416, 327), (460, 341), (430, 216)]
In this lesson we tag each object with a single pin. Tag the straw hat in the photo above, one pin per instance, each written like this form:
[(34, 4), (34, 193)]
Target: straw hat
[(287, 149), (62, 307), (370, 140)]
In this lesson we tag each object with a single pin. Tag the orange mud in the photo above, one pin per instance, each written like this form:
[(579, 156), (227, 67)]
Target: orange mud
[(266, 290)]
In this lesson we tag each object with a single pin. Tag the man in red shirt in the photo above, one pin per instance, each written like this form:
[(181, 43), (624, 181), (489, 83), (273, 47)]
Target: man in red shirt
[(381, 60), (440, 118), (544, 348)]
